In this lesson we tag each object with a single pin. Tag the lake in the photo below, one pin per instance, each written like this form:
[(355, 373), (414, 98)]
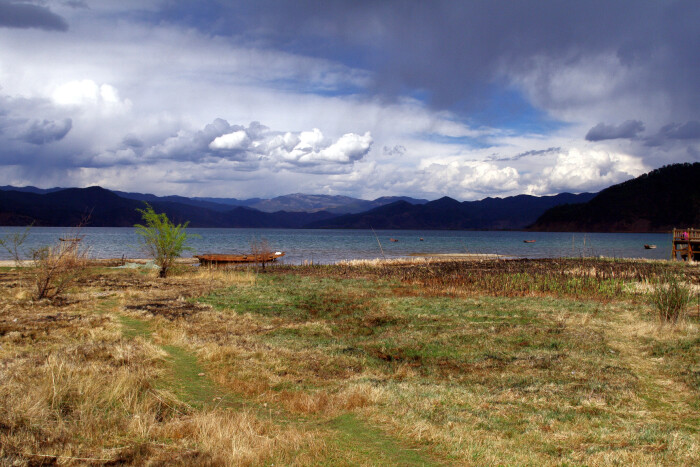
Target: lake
[(329, 246)]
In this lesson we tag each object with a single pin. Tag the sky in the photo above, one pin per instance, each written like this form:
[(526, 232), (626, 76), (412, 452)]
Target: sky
[(363, 98)]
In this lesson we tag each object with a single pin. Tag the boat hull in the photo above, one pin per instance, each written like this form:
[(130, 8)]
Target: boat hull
[(215, 259)]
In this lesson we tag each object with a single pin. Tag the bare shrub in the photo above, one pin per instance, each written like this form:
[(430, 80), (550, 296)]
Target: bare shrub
[(12, 243), (670, 298), (58, 266), (261, 249)]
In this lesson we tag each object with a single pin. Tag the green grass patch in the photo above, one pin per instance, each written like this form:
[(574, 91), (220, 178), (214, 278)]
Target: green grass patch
[(105, 304), (682, 358), (132, 327), (295, 297), (186, 376), (189, 379), (360, 444)]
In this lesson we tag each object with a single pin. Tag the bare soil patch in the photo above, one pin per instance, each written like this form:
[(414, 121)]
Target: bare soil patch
[(169, 309)]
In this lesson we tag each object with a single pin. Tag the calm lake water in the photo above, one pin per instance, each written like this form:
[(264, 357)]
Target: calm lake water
[(329, 246)]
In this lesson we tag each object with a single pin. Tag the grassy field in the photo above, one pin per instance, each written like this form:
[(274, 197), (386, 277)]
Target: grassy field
[(521, 362)]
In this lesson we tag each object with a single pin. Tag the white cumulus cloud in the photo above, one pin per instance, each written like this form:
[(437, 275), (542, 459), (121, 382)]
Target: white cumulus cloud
[(580, 170), (87, 92), (256, 147), (236, 140), (312, 148), (470, 179)]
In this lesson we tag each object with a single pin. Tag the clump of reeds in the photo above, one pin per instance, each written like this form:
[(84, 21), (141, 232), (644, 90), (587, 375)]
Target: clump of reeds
[(670, 298), (518, 278), (382, 261)]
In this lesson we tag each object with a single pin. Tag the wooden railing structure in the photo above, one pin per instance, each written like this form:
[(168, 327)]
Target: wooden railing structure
[(687, 243)]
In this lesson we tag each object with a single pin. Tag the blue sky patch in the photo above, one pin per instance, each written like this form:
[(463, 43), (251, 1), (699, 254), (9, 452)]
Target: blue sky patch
[(507, 109)]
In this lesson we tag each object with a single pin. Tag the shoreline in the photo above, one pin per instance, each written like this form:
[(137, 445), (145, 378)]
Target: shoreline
[(471, 256), (108, 262), (413, 257), (410, 258)]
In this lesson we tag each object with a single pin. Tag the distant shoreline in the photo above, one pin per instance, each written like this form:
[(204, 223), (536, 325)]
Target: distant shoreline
[(107, 262), (411, 258)]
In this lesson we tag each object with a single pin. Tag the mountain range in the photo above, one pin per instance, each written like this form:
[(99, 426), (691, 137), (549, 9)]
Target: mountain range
[(297, 202), (105, 208), (658, 201), (511, 213)]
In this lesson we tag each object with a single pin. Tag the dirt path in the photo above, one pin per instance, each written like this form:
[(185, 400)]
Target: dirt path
[(186, 377), (355, 441)]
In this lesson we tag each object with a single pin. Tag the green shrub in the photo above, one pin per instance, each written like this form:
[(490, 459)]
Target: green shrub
[(162, 239)]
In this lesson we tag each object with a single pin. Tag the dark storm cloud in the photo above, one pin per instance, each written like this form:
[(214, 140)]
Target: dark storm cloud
[(629, 129), (689, 130), (35, 136), (694, 153), (21, 132), (132, 141), (453, 53), (78, 4), (676, 132), (26, 15), (47, 131)]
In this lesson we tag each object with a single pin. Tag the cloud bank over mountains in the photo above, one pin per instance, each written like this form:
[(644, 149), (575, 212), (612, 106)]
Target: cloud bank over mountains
[(257, 146), (241, 99)]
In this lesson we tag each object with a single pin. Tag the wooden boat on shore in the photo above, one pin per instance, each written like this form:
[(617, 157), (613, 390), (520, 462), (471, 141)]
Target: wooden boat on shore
[(649, 247), (528, 241), (216, 259)]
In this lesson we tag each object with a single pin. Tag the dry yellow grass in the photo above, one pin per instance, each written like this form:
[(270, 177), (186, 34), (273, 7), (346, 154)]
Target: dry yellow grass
[(75, 390), (272, 365)]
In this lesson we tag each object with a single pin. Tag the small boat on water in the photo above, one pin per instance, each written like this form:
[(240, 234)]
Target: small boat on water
[(528, 241), (70, 239), (649, 247), (393, 240), (214, 259)]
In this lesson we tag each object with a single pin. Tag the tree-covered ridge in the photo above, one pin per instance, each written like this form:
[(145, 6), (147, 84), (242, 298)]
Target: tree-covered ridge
[(654, 202)]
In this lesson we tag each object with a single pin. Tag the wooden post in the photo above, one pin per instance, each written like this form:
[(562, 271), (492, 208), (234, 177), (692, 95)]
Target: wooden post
[(686, 242)]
